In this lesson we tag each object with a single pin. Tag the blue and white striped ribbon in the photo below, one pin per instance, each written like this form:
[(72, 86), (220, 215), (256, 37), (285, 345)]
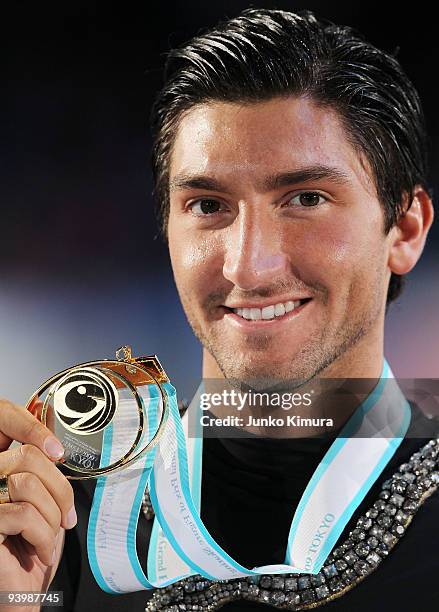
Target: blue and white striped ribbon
[(181, 545)]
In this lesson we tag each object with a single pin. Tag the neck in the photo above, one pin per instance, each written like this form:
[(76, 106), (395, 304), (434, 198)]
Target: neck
[(363, 361)]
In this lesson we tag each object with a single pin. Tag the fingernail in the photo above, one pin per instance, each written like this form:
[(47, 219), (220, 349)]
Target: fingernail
[(53, 447), (53, 556), (72, 519)]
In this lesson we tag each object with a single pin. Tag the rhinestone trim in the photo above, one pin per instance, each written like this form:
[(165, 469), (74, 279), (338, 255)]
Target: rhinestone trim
[(374, 536)]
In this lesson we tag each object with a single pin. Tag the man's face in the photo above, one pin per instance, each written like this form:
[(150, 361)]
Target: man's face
[(270, 204)]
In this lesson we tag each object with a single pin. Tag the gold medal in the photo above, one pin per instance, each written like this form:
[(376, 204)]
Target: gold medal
[(107, 414)]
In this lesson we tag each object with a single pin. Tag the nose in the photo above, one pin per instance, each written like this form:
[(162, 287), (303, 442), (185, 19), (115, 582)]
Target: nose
[(253, 251)]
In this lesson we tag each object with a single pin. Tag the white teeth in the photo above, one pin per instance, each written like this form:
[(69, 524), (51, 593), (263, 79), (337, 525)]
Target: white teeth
[(255, 314), (279, 310), (268, 312)]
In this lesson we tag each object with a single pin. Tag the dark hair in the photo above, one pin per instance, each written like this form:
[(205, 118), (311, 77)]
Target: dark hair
[(264, 53)]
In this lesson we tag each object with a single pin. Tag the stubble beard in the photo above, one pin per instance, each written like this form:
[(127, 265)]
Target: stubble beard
[(311, 360), (320, 351)]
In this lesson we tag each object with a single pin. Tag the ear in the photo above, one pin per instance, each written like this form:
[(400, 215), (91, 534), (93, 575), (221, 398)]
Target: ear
[(408, 236)]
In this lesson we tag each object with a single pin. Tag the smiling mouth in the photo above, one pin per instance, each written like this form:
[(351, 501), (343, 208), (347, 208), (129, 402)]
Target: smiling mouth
[(268, 313)]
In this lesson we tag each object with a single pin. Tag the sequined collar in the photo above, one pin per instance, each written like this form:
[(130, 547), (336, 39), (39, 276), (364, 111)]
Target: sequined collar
[(368, 544)]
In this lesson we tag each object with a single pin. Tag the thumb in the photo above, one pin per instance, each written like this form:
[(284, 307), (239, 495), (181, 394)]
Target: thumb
[(17, 423)]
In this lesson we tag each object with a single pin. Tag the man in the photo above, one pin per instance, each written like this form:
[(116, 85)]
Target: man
[(290, 171)]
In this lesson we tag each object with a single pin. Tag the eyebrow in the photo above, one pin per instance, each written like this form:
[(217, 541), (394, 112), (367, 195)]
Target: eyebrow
[(270, 183)]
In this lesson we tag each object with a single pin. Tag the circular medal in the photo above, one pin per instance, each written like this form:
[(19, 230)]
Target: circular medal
[(107, 414)]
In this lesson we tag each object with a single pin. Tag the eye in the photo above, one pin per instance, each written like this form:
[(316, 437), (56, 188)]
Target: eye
[(205, 207), (307, 198)]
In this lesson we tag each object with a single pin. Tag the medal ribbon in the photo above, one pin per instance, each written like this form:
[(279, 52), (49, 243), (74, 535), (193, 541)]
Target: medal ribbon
[(180, 544)]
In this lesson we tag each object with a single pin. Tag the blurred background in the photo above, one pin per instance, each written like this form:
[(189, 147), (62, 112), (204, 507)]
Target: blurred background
[(82, 267)]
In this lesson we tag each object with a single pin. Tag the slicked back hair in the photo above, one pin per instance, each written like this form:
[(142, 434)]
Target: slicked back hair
[(262, 54)]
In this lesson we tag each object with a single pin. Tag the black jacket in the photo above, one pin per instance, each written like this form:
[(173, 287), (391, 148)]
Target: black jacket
[(250, 490)]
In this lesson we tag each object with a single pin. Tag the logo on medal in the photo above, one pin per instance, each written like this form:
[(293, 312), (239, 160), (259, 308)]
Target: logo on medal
[(85, 401)]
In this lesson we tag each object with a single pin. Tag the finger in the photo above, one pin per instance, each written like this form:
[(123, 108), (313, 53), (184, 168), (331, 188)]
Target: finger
[(28, 458), (27, 487), (19, 424), (22, 518), (36, 407)]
